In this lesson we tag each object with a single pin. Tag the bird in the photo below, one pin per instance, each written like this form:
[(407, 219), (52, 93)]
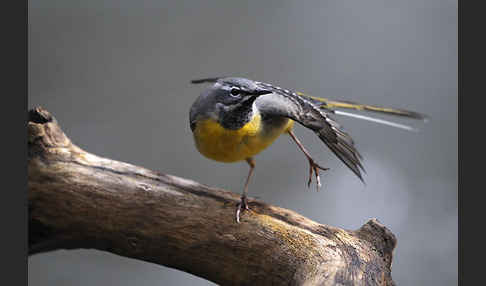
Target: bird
[(236, 118)]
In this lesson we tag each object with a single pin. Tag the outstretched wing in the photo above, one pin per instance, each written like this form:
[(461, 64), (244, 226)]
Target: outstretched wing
[(282, 102)]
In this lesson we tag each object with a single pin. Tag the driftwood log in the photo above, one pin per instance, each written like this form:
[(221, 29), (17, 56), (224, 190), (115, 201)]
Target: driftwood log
[(79, 200)]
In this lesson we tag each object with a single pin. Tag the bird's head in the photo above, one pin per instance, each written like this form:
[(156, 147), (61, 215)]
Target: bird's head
[(229, 100)]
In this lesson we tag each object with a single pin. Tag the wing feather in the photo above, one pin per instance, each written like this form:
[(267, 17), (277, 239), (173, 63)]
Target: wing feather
[(289, 104)]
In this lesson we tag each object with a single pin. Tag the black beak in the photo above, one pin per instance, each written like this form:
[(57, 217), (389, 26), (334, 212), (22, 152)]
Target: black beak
[(262, 92)]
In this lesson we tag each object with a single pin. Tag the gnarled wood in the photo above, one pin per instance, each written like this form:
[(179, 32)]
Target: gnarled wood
[(79, 200)]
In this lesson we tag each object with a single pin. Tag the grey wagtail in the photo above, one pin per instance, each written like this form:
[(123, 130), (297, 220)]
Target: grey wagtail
[(237, 118)]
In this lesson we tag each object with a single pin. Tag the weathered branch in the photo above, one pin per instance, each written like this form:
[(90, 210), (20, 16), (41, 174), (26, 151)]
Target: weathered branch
[(79, 200)]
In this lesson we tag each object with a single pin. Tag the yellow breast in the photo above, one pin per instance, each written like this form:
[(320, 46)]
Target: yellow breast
[(224, 145)]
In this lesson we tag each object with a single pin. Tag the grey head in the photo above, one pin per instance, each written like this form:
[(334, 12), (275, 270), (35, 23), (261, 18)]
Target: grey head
[(229, 101)]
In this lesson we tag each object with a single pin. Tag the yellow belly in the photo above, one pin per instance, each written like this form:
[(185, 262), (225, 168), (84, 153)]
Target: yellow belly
[(220, 144)]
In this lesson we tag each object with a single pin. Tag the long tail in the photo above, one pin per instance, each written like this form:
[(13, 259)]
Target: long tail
[(332, 104), (377, 120)]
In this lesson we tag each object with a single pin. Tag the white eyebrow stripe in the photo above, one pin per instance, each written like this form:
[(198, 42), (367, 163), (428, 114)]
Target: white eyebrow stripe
[(223, 86)]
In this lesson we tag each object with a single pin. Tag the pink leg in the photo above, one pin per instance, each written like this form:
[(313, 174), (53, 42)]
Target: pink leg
[(243, 205), (313, 166)]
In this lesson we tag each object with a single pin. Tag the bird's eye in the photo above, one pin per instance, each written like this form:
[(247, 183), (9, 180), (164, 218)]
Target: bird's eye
[(235, 91)]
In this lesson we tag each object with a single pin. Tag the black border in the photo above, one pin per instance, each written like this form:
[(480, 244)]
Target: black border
[(471, 78), (14, 173)]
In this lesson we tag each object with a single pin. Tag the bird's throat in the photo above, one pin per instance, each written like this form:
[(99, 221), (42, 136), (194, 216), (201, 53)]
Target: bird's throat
[(234, 118)]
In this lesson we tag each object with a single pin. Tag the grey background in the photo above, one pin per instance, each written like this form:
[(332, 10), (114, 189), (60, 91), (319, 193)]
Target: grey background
[(116, 76)]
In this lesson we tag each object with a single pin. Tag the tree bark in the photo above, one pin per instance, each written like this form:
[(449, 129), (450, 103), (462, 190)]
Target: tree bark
[(79, 200)]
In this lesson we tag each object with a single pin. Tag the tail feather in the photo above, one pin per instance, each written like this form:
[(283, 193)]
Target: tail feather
[(377, 120), (331, 104)]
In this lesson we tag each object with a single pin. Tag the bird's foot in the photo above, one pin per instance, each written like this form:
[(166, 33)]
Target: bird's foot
[(241, 207), (314, 169)]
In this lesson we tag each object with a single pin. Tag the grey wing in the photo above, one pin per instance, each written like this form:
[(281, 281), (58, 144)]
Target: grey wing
[(342, 145), (288, 104)]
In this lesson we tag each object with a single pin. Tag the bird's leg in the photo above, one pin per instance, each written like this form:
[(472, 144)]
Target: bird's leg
[(243, 204), (313, 166)]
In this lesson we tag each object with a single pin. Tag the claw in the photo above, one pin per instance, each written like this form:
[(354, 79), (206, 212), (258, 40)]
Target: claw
[(314, 169), (310, 176), (318, 179), (239, 209)]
